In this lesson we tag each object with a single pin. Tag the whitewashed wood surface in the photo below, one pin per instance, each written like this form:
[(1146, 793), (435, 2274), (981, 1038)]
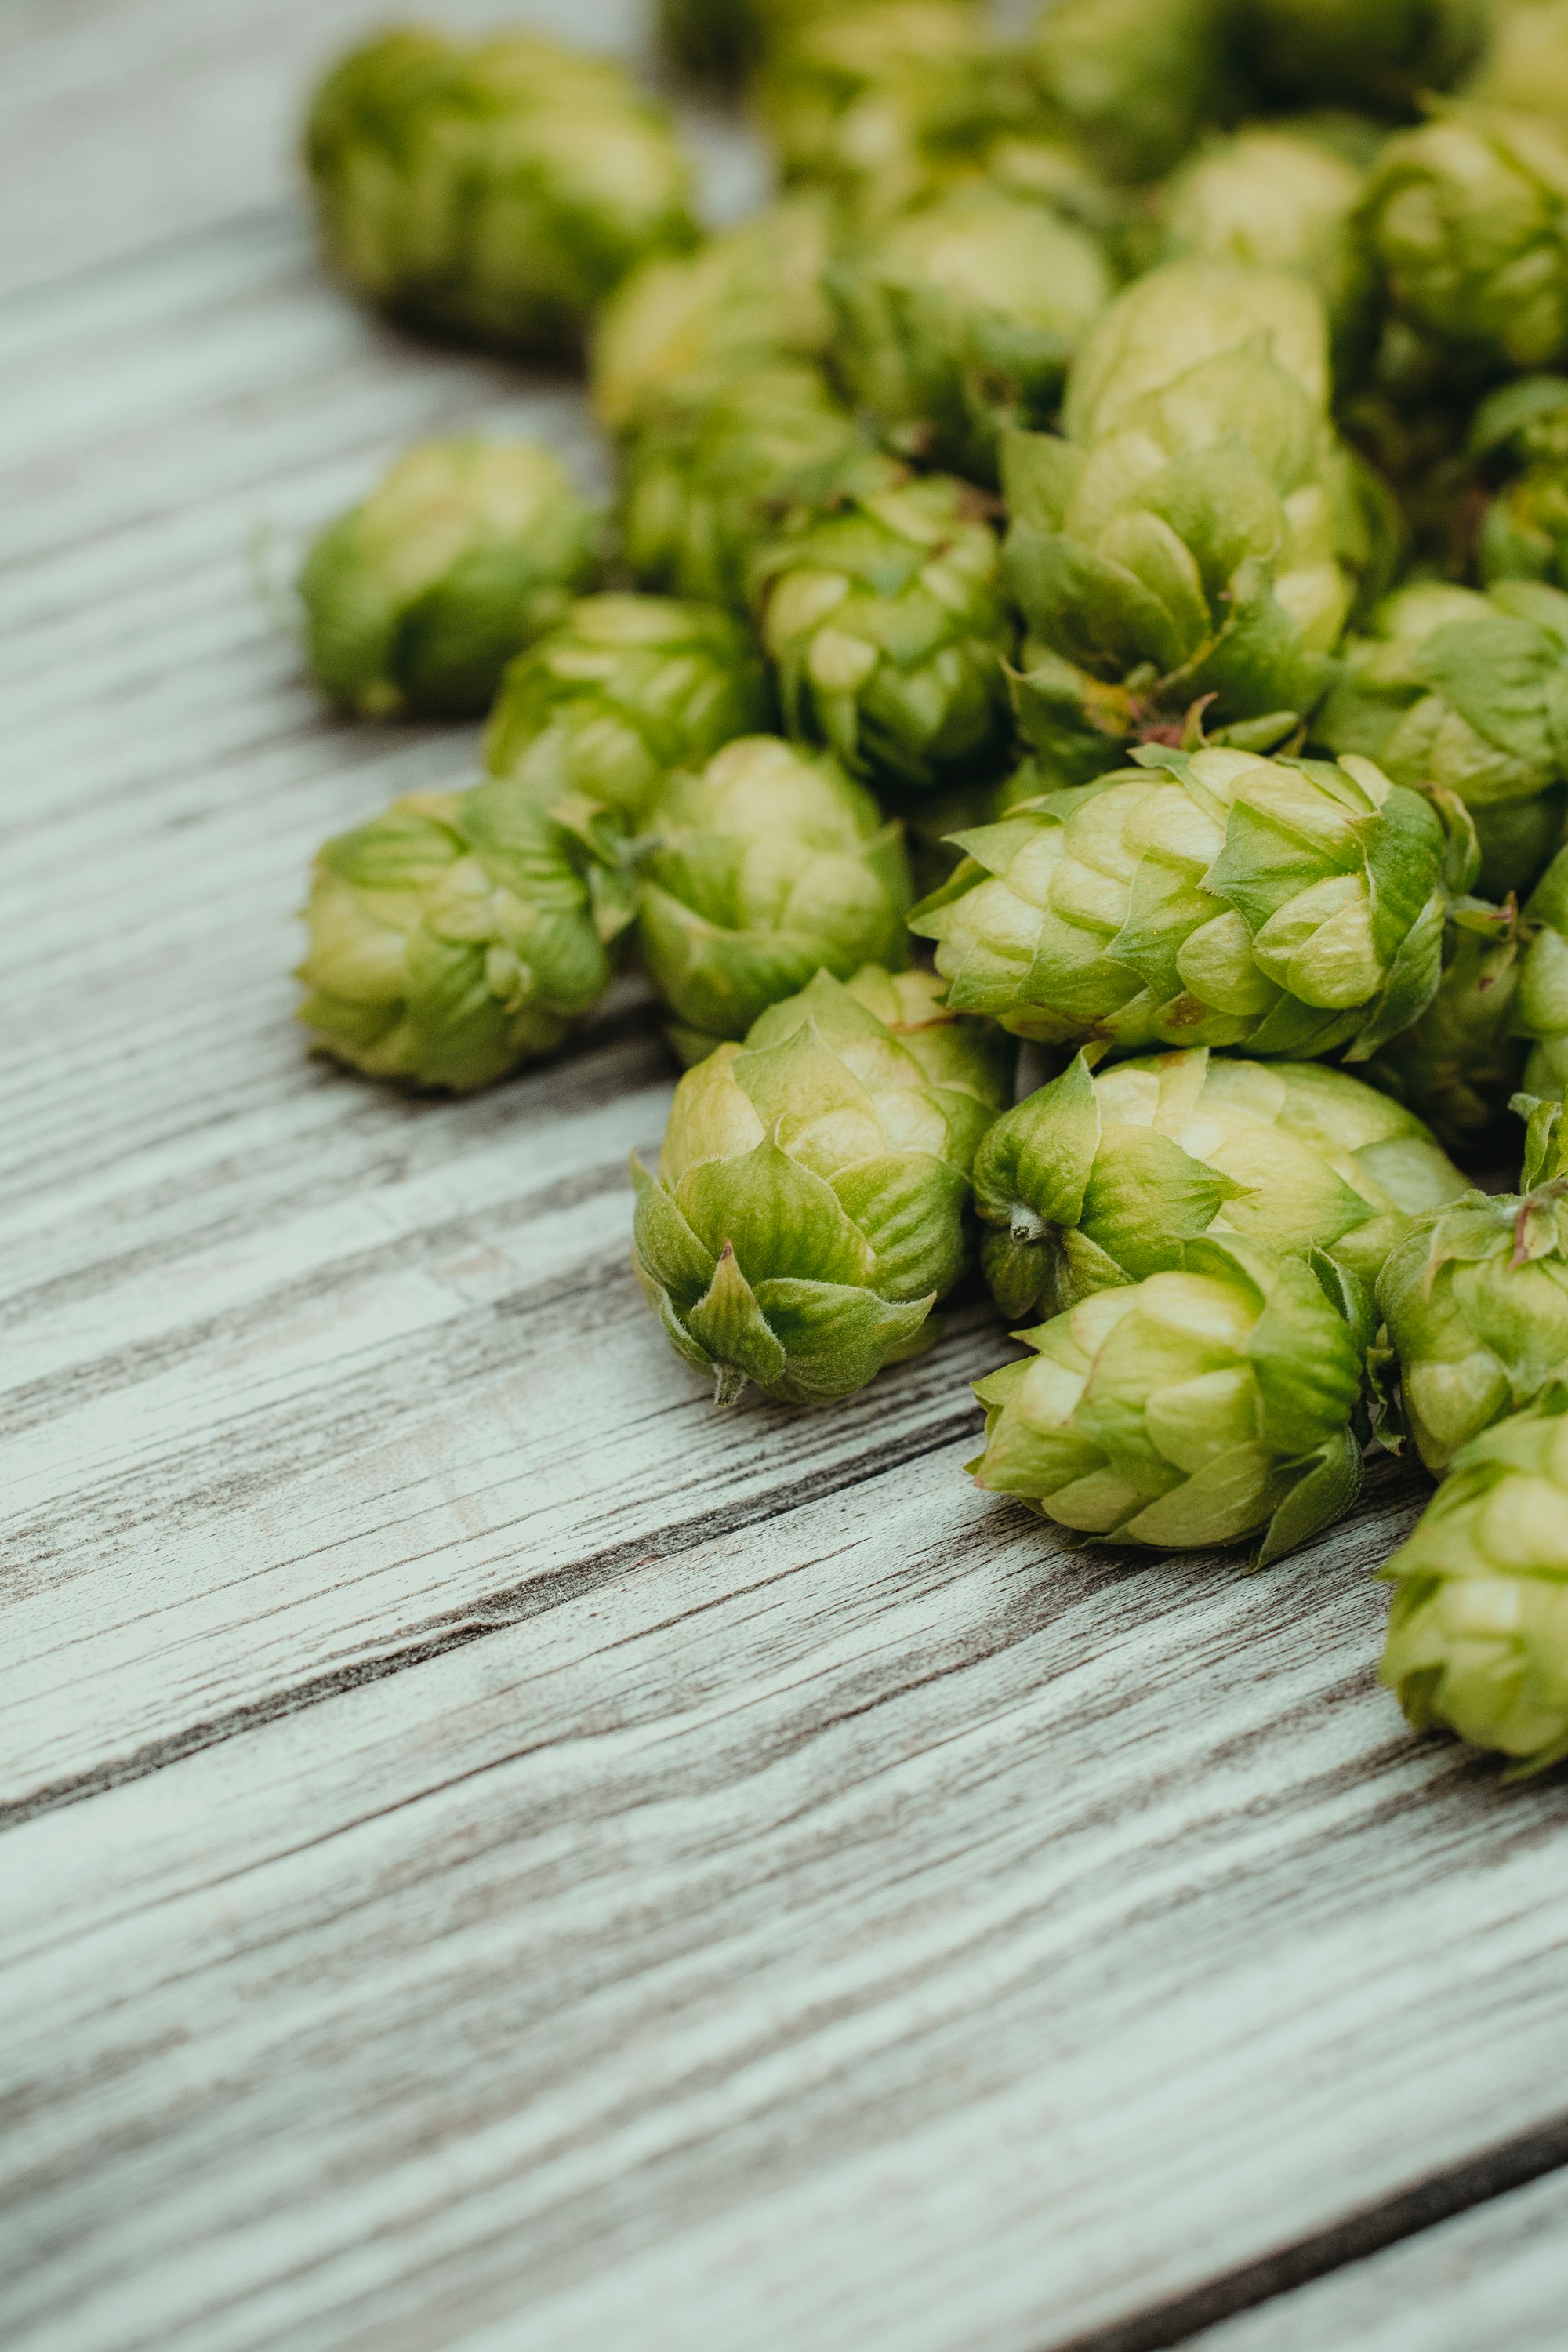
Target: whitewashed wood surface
[(495, 1853)]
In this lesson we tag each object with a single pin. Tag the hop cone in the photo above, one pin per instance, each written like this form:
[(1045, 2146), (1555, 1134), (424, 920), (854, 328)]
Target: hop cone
[(709, 483), (1478, 1639), (747, 299), (1539, 1014), (810, 1207), (1520, 434), (495, 192), (1093, 1182), (1467, 217), (457, 935), (879, 104), (1197, 1407), (960, 318), (766, 867), (415, 601), (1214, 898), (1383, 54), (1201, 534), (628, 690), (1137, 78), (1526, 60), (1469, 693), (884, 618), (1475, 1304), (1282, 200), (1461, 1063)]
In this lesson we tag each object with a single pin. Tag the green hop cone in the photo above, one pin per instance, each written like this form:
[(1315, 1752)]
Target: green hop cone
[(747, 299), (1201, 1406), (1200, 532), (415, 600), (712, 40), (1279, 199), (1461, 1063), (1478, 1637), (494, 192), (1519, 440), (1469, 693), (1526, 62), (1476, 1304), (710, 480), (812, 1190), (1383, 54), (458, 935), (879, 104), (1468, 217), (1137, 78), (960, 318), (1212, 898), (884, 618), (766, 867), (1093, 1182), (1540, 1013), (628, 690)]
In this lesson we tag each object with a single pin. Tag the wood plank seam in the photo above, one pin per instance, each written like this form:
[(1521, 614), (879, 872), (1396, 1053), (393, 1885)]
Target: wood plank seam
[(1441, 2197), (492, 1613)]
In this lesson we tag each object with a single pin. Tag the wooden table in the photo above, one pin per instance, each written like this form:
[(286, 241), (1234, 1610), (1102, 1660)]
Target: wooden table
[(499, 1854)]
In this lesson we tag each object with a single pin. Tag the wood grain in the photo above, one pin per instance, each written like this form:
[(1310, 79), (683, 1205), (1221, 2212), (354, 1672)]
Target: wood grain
[(497, 1852)]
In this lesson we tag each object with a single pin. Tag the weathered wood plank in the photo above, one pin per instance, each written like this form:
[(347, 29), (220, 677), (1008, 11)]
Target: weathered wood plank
[(875, 1928), (1497, 2276)]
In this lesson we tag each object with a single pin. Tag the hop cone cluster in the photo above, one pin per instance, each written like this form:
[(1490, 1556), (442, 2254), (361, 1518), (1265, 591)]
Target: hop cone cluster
[(810, 1207), (1478, 1640), (495, 192), (1211, 898), (767, 866), (1099, 1180), (1198, 1407)]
